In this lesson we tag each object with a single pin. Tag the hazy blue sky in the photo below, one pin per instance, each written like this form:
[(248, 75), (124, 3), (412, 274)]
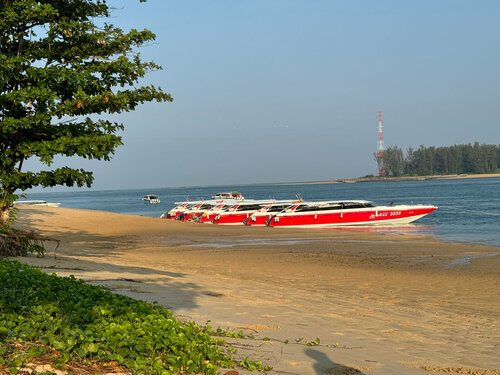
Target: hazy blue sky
[(289, 90)]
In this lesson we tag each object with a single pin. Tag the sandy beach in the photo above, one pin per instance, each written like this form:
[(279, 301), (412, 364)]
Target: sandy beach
[(317, 301)]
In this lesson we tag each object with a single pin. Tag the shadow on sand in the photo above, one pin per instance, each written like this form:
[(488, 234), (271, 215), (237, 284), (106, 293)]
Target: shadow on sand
[(324, 365), (140, 282)]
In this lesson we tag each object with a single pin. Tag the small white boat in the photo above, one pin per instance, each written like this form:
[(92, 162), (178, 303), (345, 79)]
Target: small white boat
[(153, 199), (38, 203)]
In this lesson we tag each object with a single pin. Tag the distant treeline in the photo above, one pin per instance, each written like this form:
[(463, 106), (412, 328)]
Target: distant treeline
[(456, 159)]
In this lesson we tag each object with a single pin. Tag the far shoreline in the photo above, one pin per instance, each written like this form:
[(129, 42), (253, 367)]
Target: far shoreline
[(385, 179)]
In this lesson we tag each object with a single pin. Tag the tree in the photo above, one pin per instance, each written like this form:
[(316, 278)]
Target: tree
[(393, 161), (62, 68), (454, 159)]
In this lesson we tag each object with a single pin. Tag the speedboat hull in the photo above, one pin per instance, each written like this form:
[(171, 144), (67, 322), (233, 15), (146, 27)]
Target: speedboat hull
[(256, 220), (383, 215), (235, 218), (239, 213)]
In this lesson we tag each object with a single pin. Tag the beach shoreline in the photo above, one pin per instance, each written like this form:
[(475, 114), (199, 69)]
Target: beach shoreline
[(390, 179), (379, 304)]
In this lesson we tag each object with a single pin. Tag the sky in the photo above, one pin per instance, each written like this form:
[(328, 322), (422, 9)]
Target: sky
[(272, 91)]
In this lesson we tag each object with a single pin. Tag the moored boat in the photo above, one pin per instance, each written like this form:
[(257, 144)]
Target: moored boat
[(37, 203), (237, 213), (231, 195), (265, 213), (209, 215), (152, 199), (347, 213), (195, 209), (176, 211)]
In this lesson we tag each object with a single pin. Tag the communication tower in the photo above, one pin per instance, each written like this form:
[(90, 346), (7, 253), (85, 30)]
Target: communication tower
[(380, 148)]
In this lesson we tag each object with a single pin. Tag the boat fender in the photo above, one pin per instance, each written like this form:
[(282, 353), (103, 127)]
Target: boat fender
[(315, 216), (341, 215)]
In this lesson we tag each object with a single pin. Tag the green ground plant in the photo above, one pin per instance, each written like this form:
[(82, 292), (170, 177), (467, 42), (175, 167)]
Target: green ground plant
[(67, 320)]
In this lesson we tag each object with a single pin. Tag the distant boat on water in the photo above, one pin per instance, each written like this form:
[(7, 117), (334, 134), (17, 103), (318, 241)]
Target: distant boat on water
[(37, 203), (153, 199), (231, 195)]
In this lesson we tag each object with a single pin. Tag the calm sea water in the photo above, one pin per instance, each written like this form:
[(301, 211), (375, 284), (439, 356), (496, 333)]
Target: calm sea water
[(469, 209)]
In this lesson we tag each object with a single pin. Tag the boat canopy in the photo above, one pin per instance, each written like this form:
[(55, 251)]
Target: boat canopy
[(333, 205)]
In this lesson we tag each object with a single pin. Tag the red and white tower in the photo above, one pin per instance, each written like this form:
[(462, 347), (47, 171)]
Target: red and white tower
[(380, 148)]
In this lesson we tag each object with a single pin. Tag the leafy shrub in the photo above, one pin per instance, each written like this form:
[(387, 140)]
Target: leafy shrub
[(19, 243), (81, 322)]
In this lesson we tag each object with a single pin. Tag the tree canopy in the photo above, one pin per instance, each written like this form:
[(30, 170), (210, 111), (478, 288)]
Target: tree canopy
[(456, 159), (63, 71)]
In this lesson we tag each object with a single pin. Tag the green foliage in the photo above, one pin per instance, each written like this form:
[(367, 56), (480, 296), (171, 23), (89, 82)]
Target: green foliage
[(19, 243), (252, 365), (220, 332), (393, 161), (75, 321), (61, 68), (456, 159)]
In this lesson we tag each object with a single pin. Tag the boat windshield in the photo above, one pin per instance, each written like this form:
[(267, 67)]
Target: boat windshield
[(352, 205), (205, 206), (277, 208), (249, 207), (308, 208)]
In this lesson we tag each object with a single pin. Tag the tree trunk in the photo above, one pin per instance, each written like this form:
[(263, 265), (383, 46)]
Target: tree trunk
[(4, 215)]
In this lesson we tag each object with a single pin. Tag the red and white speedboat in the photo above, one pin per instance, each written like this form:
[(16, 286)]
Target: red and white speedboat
[(209, 215), (265, 213), (194, 209), (237, 213), (347, 213), (185, 211), (177, 210)]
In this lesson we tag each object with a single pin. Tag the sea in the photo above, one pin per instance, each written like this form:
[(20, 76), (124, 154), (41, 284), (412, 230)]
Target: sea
[(468, 209)]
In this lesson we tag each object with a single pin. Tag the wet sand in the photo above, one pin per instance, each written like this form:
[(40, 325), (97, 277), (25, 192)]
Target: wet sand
[(379, 304)]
